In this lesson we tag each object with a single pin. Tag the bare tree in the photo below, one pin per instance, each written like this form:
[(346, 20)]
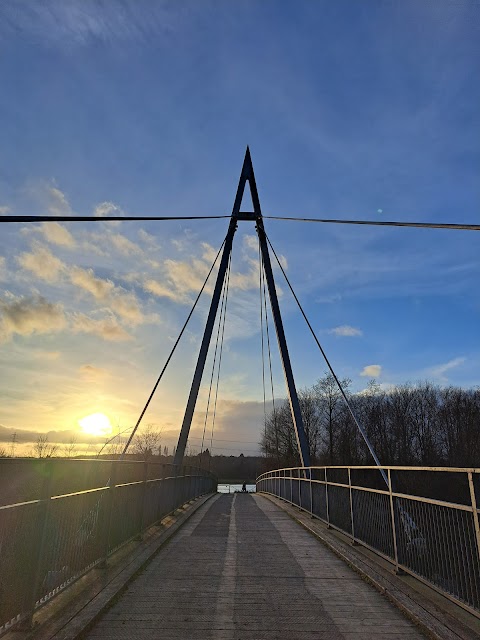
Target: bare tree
[(331, 404), (70, 449), (3, 453), (147, 442), (43, 449)]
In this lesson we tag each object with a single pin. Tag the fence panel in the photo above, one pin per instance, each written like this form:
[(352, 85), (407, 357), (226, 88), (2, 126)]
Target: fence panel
[(48, 543), (405, 521)]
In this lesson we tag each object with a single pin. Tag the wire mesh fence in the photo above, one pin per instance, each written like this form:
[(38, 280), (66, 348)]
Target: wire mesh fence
[(409, 522), (48, 543)]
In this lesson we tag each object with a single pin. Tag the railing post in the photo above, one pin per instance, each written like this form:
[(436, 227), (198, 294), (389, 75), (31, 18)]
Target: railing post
[(109, 511), (474, 509), (392, 516), (39, 551), (311, 493), (351, 507), (326, 499), (143, 502)]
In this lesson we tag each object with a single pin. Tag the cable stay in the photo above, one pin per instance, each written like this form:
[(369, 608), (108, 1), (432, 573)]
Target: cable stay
[(263, 311), (340, 387), (219, 329), (170, 355), (220, 361), (260, 273)]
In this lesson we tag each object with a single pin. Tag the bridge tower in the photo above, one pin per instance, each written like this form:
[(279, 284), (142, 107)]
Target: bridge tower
[(253, 216)]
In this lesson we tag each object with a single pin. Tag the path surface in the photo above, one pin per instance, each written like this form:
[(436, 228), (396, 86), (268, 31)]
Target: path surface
[(241, 569)]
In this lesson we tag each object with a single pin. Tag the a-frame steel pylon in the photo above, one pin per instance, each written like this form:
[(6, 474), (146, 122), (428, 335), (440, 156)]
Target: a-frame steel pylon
[(255, 216)]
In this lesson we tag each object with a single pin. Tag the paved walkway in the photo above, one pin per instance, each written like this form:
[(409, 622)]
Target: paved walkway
[(241, 569)]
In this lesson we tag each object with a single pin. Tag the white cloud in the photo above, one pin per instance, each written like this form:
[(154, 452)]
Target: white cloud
[(106, 209), (127, 307), (250, 242), (441, 369), (106, 328), (121, 302), (162, 291), (124, 245), (57, 234), (57, 202), (86, 280), (3, 269), (345, 330), (24, 316), (42, 263), (4, 210), (371, 371)]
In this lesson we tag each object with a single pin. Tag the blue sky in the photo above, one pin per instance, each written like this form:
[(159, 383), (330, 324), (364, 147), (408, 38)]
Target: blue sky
[(351, 110)]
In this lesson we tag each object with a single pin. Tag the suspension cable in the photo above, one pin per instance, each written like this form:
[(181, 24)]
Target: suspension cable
[(380, 223), (260, 266), (102, 218), (213, 369), (352, 413), (384, 223), (220, 359), (170, 355), (275, 423)]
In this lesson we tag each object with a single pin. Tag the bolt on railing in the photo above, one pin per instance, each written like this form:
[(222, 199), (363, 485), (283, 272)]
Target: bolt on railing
[(425, 523)]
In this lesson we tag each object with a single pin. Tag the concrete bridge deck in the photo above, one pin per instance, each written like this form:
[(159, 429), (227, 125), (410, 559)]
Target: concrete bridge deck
[(242, 569)]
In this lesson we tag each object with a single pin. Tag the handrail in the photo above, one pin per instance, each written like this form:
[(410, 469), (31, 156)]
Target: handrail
[(48, 543), (436, 540)]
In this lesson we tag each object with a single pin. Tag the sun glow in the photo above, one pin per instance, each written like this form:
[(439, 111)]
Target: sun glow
[(96, 424)]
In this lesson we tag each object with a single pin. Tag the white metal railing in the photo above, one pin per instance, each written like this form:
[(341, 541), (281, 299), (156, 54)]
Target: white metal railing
[(426, 522)]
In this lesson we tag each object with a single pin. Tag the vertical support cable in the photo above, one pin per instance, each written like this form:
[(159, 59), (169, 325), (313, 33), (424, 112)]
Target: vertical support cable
[(297, 419), (202, 356)]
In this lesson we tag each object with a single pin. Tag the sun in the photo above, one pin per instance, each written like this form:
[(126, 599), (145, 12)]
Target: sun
[(96, 424)]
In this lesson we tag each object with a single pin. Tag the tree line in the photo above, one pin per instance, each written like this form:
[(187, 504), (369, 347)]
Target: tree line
[(419, 424)]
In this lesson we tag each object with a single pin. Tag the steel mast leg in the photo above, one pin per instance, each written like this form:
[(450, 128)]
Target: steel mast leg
[(202, 356), (302, 443)]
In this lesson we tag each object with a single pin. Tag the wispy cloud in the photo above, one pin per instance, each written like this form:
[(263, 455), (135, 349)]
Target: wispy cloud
[(42, 263), (346, 330), (107, 328), (371, 371), (25, 316), (57, 202), (440, 370), (57, 234), (72, 23)]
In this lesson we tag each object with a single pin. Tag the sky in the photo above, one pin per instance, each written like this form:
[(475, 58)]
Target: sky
[(351, 110)]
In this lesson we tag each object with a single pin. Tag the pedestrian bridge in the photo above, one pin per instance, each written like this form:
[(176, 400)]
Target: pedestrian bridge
[(239, 566)]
